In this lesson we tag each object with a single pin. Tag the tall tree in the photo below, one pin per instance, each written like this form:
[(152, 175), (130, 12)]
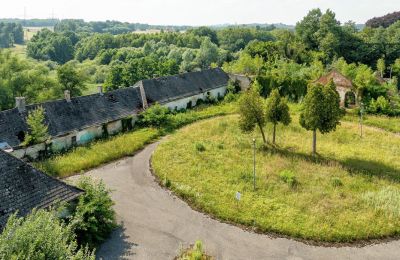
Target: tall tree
[(38, 130), (277, 111), (380, 65), (321, 110), (71, 79), (252, 112)]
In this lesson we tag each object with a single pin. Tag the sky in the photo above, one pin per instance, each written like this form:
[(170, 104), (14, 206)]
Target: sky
[(196, 12)]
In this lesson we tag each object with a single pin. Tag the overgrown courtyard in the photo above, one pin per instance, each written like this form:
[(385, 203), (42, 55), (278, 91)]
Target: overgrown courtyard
[(349, 192)]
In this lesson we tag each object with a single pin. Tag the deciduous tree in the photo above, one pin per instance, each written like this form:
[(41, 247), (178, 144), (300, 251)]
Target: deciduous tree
[(321, 110), (251, 108), (277, 111)]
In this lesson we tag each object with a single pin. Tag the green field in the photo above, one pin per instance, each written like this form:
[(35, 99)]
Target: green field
[(350, 192)]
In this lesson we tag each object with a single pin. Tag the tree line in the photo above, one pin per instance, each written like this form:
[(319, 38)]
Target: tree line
[(10, 33)]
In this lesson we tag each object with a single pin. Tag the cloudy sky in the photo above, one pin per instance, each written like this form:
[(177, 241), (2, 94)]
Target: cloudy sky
[(196, 12)]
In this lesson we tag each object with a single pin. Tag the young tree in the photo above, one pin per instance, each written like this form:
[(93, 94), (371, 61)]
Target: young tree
[(40, 235), (93, 219), (71, 79), (277, 111), (251, 109), (155, 116), (321, 110), (380, 65), (38, 130)]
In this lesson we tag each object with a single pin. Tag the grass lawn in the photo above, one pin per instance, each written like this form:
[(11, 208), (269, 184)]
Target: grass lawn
[(95, 154), (350, 192), (391, 124)]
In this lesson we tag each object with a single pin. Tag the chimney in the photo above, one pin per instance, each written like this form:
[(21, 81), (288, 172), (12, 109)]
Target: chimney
[(67, 95), (100, 89), (143, 96), (20, 104)]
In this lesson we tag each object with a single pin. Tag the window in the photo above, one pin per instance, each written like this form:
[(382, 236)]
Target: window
[(21, 136)]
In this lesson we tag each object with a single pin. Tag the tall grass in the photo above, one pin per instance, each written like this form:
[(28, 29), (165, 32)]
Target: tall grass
[(97, 153), (327, 200)]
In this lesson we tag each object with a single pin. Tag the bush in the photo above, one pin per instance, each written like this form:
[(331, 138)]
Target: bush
[(336, 182), (155, 116), (200, 147), (94, 218), (40, 235), (196, 252), (289, 178), (379, 106)]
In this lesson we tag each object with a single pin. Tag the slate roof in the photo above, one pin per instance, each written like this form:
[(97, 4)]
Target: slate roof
[(166, 89), (24, 188), (63, 117), (339, 79)]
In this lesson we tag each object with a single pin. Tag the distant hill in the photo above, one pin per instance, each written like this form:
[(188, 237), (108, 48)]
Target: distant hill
[(384, 21)]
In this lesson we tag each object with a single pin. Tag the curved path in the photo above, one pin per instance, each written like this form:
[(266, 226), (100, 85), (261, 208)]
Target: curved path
[(155, 224)]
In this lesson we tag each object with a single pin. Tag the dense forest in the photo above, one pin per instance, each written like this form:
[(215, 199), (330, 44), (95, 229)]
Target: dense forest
[(110, 54)]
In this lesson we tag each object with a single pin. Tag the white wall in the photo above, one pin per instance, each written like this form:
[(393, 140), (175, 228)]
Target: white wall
[(182, 103)]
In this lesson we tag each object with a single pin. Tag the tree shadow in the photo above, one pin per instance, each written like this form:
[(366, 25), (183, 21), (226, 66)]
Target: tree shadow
[(117, 246), (354, 165)]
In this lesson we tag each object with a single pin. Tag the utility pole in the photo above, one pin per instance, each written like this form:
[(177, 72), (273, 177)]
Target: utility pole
[(254, 164)]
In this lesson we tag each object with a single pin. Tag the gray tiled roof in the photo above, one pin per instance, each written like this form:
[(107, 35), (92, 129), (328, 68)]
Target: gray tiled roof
[(23, 188), (170, 88), (63, 117)]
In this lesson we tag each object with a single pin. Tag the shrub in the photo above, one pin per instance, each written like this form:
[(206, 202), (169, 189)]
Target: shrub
[(94, 218), (155, 116), (379, 106), (289, 178), (230, 97), (196, 252), (336, 182), (200, 147), (40, 235)]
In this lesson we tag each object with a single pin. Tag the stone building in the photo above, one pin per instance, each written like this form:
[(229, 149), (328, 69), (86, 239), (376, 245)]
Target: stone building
[(23, 188), (344, 87), (79, 120)]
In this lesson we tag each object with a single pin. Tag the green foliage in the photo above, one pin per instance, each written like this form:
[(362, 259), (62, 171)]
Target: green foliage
[(277, 110), (38, 130), (93, 219), (71, 79), (321, 110), (10, 33), (22, 77), (337, 182), (379, 106), (196, 252), (380, 65), (200, 147), (155, 116), (47, 45), (289, 178), (41, 235), (251, 109)]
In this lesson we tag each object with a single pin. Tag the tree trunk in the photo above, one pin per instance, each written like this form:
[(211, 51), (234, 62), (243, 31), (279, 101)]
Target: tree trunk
[(273, 134), (262, 133), (314, 143)]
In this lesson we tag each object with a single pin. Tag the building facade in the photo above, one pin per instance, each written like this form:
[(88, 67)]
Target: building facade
[(80, 120)]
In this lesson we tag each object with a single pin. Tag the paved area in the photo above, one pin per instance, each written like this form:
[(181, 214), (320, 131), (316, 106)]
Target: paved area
[(156, 224)]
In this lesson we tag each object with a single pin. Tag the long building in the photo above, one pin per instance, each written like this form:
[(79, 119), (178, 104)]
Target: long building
[(79, 120)]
